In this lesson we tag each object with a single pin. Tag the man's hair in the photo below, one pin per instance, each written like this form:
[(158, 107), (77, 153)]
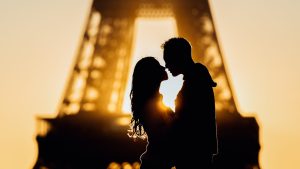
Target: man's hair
[(178, 44)]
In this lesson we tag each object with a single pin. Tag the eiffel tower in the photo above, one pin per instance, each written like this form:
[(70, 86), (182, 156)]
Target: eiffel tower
[(90, 130)]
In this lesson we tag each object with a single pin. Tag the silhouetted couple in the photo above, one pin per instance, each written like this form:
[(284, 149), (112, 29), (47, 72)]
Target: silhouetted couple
[(185, 138)]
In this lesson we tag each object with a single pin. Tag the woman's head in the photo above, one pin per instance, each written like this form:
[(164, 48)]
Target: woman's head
[(147, 74), (146, 79)]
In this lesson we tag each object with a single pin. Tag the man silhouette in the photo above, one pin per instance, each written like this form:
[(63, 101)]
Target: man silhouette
[(194, 131)]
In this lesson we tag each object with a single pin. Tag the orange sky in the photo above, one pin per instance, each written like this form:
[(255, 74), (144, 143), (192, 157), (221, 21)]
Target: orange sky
[(259, 40)]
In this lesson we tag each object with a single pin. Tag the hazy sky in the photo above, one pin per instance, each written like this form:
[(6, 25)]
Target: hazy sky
[(259, 40)]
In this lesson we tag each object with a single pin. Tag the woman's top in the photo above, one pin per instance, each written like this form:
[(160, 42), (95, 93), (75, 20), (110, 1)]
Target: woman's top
[(157, 124)]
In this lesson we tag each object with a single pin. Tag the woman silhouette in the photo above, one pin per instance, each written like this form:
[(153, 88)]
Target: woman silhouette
[(150, 117)]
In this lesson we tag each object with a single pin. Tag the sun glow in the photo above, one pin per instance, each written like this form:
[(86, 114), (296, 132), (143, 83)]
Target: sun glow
[(150, 33)]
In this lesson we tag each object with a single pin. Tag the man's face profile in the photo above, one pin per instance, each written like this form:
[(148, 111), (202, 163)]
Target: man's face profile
[(171, 62)]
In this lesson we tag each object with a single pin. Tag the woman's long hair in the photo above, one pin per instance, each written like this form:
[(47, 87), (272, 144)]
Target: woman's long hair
[(146, 79)]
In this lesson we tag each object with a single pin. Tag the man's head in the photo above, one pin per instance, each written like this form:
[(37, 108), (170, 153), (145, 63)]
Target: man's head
[(177, 55)]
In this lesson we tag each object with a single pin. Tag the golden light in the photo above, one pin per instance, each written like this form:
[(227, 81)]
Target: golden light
[(123, 121), (150, 33)]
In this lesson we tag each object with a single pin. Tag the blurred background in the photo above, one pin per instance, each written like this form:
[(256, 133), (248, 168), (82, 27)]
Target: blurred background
[(259, 40)]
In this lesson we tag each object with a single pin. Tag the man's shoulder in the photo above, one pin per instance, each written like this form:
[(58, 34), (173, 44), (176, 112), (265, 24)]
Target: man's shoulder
[(199, 71), (202, 72), (201, 68)]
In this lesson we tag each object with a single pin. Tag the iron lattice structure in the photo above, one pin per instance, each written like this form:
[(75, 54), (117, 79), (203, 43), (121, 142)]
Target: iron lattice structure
[(88, 131)]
